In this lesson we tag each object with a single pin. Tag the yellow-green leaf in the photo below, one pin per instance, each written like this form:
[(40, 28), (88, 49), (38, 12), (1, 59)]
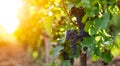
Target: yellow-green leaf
[(48, 24)]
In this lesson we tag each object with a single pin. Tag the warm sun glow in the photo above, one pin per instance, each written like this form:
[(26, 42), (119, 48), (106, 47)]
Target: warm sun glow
[(8, 14)]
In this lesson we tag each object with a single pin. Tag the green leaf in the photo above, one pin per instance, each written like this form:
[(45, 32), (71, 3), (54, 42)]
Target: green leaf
[(116, 21), (107, 57), (92, 2), (99, 23), (57, 50), (117, 40), (105, 21), (35, 54), (65, 63), (48, 24), (91, 11), (84, 18), (88, 41), (92, 31), (102, 23), (53, 64), (94, 26), (97, 51), (61, 40), (87, 26), (95, 58), (84, 3)]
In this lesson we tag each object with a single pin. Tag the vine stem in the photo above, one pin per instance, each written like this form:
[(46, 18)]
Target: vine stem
[(64, 7), (83, 57)]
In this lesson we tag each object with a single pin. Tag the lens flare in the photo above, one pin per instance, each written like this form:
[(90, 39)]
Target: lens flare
[(8, 14)]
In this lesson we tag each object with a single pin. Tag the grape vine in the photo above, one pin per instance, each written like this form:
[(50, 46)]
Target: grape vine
[(90, 27)]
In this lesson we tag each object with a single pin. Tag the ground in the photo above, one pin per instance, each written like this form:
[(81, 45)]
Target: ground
[(14, 55)]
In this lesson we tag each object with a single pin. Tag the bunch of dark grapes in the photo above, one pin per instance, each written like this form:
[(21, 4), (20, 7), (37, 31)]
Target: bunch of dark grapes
[(83, 34), (71, 34), (73, 37), (73, 47), (79, 13)]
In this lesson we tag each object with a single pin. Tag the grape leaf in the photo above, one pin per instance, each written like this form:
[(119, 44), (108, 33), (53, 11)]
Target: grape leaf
[(116, 21), (92, 31), (105, 21), (53, 64), (88, 41), (87, 26), (64, 63), (57, 50), (84, 3), (95, 58), (107, 57), (48, 24), (97, 51)]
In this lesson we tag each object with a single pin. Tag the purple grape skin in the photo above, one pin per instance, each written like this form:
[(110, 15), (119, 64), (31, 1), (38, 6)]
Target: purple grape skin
[(73, 47), (71, 34)]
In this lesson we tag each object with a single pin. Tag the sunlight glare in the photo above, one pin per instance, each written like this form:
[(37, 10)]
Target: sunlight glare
[(8, 14)]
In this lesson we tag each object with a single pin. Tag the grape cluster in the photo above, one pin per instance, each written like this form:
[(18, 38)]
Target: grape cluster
[(71, 34), (73, 37), (83, 34), (73, 47)]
